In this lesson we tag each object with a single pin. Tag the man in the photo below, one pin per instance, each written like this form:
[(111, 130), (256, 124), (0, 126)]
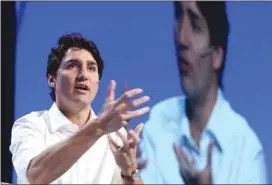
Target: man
[(199, 138), (68, 143)]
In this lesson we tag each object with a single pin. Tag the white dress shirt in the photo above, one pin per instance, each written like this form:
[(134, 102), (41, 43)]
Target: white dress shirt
[(34, 132), (237, 158)]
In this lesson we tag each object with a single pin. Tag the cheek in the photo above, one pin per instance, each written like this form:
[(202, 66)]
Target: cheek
[(65, 80), (204, 70), (94, 77), (199, 43)]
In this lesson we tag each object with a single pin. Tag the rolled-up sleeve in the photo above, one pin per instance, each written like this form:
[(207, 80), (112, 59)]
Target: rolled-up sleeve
[(27, 141)]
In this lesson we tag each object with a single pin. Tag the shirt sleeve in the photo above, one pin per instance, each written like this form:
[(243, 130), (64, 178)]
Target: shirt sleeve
[(150, 174), (253, 169), (117, 179), (27, 142)]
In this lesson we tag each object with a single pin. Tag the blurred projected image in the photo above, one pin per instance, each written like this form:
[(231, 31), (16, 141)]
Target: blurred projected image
[(199, 138)]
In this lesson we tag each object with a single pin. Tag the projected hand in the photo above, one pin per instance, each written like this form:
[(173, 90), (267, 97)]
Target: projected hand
[(193, 176)]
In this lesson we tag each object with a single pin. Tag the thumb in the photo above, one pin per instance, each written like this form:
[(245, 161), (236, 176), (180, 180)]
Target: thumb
[(111, 92), (139, 128)]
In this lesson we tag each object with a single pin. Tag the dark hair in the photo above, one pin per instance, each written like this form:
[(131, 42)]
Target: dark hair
[(215, 14), (64, 43)]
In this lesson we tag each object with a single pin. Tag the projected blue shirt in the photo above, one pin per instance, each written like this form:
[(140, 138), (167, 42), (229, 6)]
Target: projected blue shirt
[(237, 157)]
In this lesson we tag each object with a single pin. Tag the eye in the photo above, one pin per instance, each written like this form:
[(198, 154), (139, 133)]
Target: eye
[(72, 65), (196, 27), (92, 68)]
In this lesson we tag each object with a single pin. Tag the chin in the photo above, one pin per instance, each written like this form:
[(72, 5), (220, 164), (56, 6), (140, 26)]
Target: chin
[(188, 89), (82, 101), (186, 85)]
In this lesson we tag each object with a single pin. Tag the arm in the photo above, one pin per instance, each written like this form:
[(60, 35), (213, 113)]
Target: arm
[(254, 169), (36, 165), (148, 174), (117, 179), (139, 181)]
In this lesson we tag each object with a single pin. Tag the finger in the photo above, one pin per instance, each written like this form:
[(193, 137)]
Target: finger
[(138, 102), (113, 144), (178, 153), (182, 156), (126, 106), (210, 149), (111, 92), (125, 125), (125, 89), (129, 94), (133, 145), (139, 128), (134, 139), (184, 174), (136, 113), (124, 140)]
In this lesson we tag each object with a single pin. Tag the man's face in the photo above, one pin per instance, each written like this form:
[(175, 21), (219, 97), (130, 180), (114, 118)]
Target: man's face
[(195, 56), (77, 78)]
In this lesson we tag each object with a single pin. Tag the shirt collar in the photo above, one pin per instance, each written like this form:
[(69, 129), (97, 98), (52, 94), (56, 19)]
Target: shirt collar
[(215, 126), (57, 120)]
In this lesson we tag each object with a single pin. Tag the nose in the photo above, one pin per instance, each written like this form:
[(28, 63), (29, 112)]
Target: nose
[(182, 34), (82, 75)]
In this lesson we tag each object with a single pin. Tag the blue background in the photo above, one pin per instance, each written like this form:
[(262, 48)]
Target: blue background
[(136, 42)]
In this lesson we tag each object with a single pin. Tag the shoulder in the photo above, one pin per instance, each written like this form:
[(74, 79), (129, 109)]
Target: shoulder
[(168, 109), (164, 112), (34, 120), (168, 105), (242, 133)]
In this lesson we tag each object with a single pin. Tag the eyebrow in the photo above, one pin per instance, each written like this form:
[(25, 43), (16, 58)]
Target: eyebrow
[(89, 62), (194, 16)]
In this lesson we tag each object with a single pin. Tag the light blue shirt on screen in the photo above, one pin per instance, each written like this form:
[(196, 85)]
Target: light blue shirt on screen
[(237, 156)]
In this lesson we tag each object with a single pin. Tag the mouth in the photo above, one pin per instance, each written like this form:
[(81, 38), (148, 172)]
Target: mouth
[(183, 64), (82, 87)]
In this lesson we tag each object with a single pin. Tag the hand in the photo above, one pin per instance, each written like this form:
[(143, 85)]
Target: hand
[(126, 157), (193, 176), (114, 114)]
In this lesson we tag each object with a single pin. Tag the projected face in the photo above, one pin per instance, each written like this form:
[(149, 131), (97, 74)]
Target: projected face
[(196, 59), (77, 78)]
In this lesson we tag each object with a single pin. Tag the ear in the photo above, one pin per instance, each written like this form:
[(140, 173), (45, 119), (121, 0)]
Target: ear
[(218, 58), (51, 81)]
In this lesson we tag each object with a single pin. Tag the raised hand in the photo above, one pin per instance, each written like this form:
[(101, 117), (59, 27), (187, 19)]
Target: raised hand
[(125, 155), (115, 113), (193, 176)]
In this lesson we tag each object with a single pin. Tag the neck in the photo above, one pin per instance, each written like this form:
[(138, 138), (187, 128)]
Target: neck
[(199, 110), (78, 116)]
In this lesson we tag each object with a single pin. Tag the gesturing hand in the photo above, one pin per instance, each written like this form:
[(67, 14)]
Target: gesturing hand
[(193, 176), (115, 112), (125, 156)]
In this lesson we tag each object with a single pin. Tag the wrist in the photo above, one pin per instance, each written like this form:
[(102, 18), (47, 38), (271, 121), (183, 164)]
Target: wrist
[(94, 128), (130, 170), (131, 176), (126, 173)]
